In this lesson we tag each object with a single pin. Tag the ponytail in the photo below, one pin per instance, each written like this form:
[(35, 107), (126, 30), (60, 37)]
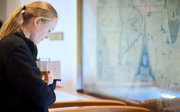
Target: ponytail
[(13, 24)]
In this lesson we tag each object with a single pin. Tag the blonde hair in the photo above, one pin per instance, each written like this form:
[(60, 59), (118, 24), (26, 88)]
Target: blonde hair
[(22, 15)]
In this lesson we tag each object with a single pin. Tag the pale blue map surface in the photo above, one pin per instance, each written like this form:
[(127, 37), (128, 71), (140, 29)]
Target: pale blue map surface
[(131, 42)]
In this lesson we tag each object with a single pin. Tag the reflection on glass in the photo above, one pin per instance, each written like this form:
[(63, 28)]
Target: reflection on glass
[(131, 49)]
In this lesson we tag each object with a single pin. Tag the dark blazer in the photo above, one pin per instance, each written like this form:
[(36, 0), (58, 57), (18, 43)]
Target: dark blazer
[(21, 87)]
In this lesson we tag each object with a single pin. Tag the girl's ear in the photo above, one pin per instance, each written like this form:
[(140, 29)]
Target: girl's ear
[(37, 21)]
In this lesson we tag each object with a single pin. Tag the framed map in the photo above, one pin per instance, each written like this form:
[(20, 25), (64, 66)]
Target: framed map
[(129, 45)]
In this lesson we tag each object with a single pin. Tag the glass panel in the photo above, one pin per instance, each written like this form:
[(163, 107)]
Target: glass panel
[(130, 49)]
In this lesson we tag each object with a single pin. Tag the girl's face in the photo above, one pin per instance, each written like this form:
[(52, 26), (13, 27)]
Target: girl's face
[(41, 30)]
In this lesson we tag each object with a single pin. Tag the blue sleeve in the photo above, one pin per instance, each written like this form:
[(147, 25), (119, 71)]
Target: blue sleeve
[(53, 85), (25, 77)]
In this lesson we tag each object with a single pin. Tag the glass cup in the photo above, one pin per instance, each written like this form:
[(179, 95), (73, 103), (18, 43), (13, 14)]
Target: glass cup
[(43, 65)]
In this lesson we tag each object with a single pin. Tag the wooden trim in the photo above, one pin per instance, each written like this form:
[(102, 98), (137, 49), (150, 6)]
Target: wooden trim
[(77, 103), (108, 108), (79, 86)]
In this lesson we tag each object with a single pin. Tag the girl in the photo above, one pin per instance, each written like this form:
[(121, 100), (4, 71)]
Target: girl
[(22, 89)]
